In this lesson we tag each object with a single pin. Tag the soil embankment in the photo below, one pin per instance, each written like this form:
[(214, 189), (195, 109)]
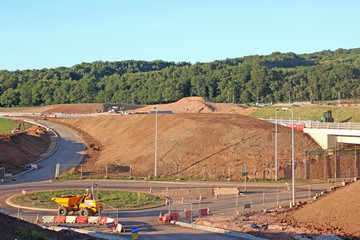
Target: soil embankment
[(18, 150)]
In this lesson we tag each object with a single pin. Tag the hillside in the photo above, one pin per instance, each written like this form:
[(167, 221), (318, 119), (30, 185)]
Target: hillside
[(265, 79), (193, 141)]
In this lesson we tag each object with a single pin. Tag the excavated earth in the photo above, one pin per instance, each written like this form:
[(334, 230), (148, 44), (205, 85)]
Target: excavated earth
[(201, 139)]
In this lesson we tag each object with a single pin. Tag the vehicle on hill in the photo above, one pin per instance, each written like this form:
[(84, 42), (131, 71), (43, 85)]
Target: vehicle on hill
[(327, 116)]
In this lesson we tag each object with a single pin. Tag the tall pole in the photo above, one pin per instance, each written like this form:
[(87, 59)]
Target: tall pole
[(292, 155), (156, 127), (276, 167)]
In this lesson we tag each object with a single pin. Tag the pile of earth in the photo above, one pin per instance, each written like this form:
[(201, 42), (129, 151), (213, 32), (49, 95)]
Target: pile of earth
[(335, 213), (14, 228), (198, 105), (184, 105), (191, 141), (20, 149)]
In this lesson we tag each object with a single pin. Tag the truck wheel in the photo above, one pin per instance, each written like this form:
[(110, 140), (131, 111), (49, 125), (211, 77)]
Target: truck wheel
[(84, 212), (63, 211)]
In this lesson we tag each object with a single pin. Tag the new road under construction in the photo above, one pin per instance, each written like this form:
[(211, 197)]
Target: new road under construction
[(213, 178)]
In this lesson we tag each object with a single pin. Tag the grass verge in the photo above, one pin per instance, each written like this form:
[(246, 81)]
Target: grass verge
[(114, 199)]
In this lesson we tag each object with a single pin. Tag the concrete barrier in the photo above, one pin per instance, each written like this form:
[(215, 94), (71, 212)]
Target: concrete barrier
[(188, 192), (226, 191)]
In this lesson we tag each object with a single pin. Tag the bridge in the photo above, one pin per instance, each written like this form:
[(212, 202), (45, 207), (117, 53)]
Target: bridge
[(328, 135)]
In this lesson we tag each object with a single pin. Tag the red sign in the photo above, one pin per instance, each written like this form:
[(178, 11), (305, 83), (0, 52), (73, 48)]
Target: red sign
[(110, 225)]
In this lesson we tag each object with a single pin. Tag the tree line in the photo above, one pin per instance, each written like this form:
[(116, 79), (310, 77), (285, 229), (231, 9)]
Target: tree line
[(268, 78)]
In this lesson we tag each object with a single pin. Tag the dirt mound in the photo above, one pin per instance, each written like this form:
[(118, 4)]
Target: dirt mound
[(193, 141), (338, 212), (197, 105), (14, 228), (20, 149)]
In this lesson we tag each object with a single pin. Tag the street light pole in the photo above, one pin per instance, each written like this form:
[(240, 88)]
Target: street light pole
[(276, 161), (292, 155), (156, 127)]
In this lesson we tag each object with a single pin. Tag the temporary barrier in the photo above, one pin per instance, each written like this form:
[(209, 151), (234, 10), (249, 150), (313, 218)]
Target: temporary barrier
[(61, 219), (93, 220), (174, 216), (48, 219), (120, 228), (70, 219), (82, 219), (103, 220)]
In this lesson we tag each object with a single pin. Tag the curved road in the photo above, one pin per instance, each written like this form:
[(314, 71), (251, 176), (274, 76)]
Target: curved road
[(70, 151)]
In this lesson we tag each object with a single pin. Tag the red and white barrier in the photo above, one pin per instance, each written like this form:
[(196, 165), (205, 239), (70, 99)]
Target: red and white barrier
[(185, 214), (77, 219)]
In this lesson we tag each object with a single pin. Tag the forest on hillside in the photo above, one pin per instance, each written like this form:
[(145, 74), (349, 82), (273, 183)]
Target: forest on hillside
[(269, 78)]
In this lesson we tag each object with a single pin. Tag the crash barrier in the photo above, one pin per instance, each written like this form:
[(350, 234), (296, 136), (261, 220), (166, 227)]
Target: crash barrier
[(109, 222), (185, 214), (78, 219)]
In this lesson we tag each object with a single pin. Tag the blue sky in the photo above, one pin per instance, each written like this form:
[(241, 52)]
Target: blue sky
[(46, 34)]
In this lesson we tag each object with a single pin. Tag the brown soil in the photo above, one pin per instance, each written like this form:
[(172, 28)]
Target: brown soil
[(217, 141), (18, 150), (337, 212), (14, 228)]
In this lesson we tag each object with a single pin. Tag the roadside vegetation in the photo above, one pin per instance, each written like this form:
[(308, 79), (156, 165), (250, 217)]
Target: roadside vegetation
[(314, 113), (114, 199), (7, 125)]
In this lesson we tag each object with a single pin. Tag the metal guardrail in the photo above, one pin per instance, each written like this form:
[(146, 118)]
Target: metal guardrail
[(333, 125), (318, 125)]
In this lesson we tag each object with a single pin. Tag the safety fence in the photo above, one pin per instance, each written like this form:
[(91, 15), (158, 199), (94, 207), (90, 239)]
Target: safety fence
[(317, 165)]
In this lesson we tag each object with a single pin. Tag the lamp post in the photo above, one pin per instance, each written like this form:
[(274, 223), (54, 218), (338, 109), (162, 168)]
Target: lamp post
[(156, 127), (276, 161), (292, 155)]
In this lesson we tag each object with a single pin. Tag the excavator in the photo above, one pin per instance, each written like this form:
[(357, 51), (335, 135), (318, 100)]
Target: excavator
[(86, 206)]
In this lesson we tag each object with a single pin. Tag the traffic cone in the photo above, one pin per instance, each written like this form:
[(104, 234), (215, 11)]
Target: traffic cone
[(150, 191), (208, 210), (166, 218), (22, 217), (160, 218), (200, 198), (238, 192), (37, 218), (166, 202), (2, 181), (182, 200), (216, 196)]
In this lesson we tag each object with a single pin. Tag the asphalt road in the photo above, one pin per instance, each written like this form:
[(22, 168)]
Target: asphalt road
[(259, 195)]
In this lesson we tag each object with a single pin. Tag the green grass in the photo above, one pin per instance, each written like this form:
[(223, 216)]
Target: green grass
[(115, 199), (340, 114), (7, 125)]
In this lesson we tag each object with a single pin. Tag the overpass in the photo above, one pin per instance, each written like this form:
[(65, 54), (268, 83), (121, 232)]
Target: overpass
[(328, 135)]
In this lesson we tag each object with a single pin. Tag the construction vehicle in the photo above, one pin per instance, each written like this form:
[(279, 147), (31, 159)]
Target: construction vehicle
[(86, 207), (327, 117)]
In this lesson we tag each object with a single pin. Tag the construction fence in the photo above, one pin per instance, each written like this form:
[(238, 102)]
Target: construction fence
[(316, 166)]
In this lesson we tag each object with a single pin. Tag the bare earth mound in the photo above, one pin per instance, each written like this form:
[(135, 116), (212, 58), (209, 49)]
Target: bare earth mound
[(339, 211), (20, 149), (198, 105), (192, 141)]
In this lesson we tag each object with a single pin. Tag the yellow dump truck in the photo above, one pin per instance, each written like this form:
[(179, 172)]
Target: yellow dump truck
[(86, 206)]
